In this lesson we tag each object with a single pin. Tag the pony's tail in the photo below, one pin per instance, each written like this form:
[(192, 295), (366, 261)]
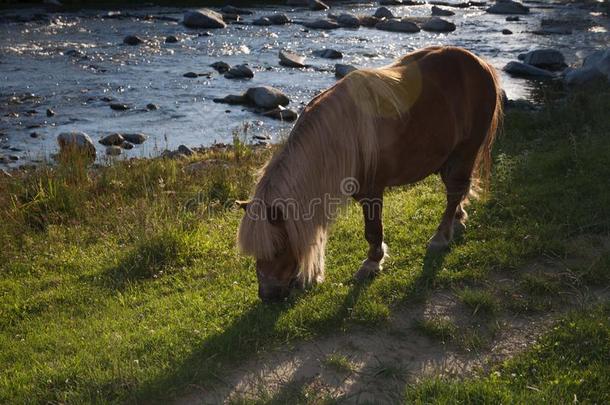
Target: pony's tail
[(484, 159)]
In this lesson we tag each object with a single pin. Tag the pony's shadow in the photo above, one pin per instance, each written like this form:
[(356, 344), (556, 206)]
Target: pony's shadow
[(253, 331)]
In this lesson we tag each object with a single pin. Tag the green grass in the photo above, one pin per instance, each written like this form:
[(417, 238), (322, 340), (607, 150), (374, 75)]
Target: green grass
[(437, 328), (339, 363), (480, 302), (569, 364), (123, 283)]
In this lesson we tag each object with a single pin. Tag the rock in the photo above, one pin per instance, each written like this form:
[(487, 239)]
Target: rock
[(506, 31), (171, 39), (317, 5), (132, 40), (595, 67), (508, 7), (328, 54), (348, 20), (321, 24), (436, 24), (291, 59), (119, 106), (528, 71), (75, 53), (437, 11), (549, 59), (342, 70), (190, 75), (298, 3), (235, 10), (78, 141), (412, 3), (262, 21), (239, 72), (230, 17), (220, 67), (232, 99), (34, 135), (127, 145), (383, 12), (205, 34), (185, 150), (266, 97), (512, 18), (13, 157), (390, 2), (50, 113), (113, 150), (112, 139), (135, 138), (279, 19), (283, 114), (368, 20), (152, 107), (396, 25), (203, 18)]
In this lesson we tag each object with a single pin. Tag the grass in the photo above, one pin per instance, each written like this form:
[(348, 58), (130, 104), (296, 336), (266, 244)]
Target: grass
[(339, 363), (123, 283), (480, 302), (569, 364), (437, 328)]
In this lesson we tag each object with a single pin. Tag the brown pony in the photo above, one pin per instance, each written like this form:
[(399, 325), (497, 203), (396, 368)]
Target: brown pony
[(435, 110)]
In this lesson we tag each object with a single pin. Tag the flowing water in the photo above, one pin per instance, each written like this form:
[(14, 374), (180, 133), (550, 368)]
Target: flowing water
[(38, 72)]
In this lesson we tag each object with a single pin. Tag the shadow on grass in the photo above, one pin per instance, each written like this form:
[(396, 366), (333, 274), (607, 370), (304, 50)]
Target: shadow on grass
[(255, 330)]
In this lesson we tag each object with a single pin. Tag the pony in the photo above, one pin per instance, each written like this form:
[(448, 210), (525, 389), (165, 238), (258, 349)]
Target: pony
[(435, 110)]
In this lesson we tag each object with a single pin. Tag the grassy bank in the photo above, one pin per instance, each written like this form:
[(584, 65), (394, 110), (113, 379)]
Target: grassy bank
[(123, 283)]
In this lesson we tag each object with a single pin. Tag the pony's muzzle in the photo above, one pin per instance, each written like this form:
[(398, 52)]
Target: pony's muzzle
[(270, 290)]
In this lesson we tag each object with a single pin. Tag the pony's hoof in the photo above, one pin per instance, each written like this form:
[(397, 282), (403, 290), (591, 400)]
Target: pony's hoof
[(369, 269)]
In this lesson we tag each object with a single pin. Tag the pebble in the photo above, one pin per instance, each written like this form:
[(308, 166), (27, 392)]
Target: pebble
[(50, 113)]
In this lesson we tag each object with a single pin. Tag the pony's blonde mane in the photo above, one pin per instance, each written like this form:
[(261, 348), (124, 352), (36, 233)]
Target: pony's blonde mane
[(334, 139)]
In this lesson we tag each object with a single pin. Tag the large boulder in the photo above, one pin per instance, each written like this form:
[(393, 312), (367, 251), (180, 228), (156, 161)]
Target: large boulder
[(437, 24), (266, 97), (508, 7), (397, 25), (383, 12), (203, 18), (549, 59), (595, 67), (291, 59), (348, 20), (76, 141), (528, 71)]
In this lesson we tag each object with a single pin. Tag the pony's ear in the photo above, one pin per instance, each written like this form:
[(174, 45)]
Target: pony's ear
[(242, 204), (275, 215)]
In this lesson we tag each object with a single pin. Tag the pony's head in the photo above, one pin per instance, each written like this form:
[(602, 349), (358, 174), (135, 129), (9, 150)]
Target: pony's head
[(263, 234)]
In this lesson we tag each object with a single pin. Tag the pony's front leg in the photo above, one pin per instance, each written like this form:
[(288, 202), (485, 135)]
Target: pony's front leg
[(373, 232)]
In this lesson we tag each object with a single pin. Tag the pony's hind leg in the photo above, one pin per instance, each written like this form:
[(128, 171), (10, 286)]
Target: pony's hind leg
[(373, 232), (456, 174)]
